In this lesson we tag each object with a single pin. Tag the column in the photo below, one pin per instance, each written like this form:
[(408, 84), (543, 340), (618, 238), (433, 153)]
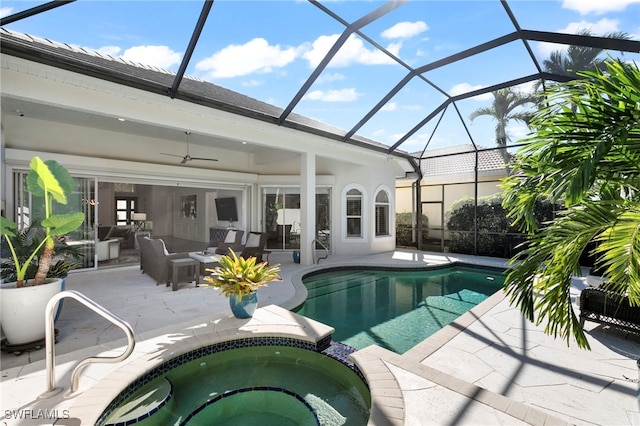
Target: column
[(307, 206)]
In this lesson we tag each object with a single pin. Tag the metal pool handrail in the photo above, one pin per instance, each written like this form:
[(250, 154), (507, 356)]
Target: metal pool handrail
[(50, 346), (313, 250)]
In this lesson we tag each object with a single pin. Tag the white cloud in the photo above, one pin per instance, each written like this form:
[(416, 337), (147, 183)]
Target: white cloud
[(109, 50), (405, 30), (390, 106), (331, 78), (463, 88), (254, 56), (352, 52), (341, 95), (597, 7), (601, 27), (157, 56), (518, 131), (5, 11)]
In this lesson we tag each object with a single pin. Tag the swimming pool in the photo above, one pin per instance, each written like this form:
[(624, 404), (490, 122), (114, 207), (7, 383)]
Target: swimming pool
[(395, 308), (255, 382)]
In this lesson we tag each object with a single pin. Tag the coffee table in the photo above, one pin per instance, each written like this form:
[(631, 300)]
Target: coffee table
[(205, 259)]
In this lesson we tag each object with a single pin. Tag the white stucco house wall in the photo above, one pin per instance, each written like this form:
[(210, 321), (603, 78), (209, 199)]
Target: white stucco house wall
[(108, 121)]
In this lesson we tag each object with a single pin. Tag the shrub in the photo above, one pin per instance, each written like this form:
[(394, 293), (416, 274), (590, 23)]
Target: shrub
[(404, 225), (496, 236)]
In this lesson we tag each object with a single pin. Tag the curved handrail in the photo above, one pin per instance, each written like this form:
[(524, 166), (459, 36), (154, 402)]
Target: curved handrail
[(313, 250), (50, 347)]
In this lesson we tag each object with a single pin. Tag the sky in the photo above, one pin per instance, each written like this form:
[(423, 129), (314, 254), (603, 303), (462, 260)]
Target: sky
[(268, 49)]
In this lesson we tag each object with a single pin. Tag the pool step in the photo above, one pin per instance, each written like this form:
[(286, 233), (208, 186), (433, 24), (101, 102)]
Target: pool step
[(146, 401), (350, 281)]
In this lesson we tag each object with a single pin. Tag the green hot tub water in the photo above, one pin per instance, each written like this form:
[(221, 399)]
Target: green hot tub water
[(260, 385), (395, 309)]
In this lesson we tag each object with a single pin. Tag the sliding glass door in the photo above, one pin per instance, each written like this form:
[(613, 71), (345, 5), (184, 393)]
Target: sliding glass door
[(281, 216), (78, 245)]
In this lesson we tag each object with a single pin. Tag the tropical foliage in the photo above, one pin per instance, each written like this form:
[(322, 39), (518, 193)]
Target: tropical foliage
[(578, 58), (504, 109), (404, 229), (495, 234), (585, 153), (236, 275), (50, 182), (25, 243)]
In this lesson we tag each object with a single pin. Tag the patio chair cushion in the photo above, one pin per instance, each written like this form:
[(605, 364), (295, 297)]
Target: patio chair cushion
[(154, 259), (231, 237), (253, 240)]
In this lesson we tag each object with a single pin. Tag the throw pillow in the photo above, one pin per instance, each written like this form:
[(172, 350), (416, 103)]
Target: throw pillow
[(253, 240), (231, 237)]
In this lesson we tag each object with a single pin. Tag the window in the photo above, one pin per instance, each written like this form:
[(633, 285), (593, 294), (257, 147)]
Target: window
[(354, 213), (125, 206), (382, 213)]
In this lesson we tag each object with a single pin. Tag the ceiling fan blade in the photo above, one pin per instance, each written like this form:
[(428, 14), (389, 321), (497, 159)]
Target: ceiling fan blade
[(173, 155), (205, 159)]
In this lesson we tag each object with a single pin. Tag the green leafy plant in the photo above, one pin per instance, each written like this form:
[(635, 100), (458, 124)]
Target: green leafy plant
[(404, 229), (585, 153), (50, 182), (24, 244), (236, 275), (496, 236)]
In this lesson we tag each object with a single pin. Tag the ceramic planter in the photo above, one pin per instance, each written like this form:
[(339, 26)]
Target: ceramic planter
[(22, 312), (245, 307)]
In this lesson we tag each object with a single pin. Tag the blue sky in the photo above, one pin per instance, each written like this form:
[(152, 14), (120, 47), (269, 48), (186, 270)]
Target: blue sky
[(268, 49)]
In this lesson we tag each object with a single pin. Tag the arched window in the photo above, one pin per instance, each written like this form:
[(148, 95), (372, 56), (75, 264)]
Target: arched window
[(354, 213), (382, 213)]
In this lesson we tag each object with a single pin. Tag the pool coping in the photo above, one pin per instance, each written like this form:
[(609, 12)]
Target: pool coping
[(386, 394), (387, 399)]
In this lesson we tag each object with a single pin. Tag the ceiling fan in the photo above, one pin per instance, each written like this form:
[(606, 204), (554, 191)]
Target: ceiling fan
[(187, 157)]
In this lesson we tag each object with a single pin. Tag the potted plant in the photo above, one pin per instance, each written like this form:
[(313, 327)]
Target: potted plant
[(66, 257), (23, 302), (239, 279)]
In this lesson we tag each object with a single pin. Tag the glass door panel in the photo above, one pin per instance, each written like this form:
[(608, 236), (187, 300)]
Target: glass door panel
[(77, 246), (323, 217), (281, 216)]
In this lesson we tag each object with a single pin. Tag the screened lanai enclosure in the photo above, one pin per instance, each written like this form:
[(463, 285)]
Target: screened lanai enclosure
[(447, 87)]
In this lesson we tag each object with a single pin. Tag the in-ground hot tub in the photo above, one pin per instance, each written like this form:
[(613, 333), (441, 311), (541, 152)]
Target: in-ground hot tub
[(221, 369), (266, 381)]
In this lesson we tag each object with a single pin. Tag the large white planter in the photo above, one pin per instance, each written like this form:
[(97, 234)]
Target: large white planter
[(22, 315)]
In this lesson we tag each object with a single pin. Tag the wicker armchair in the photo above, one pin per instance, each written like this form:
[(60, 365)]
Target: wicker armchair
[(232, 240), (605, 307), (154, 259), (255, 246)]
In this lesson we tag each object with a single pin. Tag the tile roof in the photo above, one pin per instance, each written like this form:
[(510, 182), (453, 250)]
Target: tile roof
[(460, 159)]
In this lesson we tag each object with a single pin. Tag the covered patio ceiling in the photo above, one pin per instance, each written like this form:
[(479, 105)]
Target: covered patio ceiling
[(408, 102)]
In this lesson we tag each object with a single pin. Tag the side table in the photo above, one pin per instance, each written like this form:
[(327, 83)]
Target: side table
[(174, 270)]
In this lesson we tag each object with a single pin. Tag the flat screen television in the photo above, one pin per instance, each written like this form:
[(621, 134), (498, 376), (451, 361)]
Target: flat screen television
[(227, 210)]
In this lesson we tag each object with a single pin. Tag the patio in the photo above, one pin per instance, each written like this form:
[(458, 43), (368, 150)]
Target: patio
[(489, 367)]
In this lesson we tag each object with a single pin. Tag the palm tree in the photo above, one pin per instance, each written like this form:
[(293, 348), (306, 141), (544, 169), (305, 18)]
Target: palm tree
[(579, 58), (502, 109), (587, 158)]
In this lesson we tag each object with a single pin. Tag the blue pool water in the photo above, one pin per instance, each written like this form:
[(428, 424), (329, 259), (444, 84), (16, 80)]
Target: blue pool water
[(395, 309)]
